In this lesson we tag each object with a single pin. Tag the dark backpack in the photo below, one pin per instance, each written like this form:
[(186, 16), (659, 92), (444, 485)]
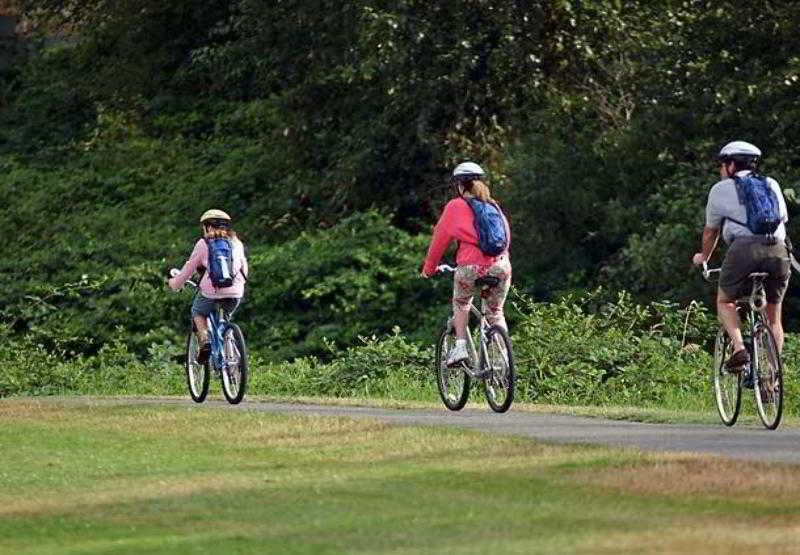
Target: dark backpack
[(220, 262), (761, 203), (490, 227)]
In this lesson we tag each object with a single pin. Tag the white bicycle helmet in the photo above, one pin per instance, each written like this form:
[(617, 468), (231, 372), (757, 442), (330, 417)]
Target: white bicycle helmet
[(215, 218), (739, 151), (468, 170)]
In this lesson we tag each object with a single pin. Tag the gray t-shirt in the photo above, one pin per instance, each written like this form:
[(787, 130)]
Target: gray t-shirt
[(723, 205)]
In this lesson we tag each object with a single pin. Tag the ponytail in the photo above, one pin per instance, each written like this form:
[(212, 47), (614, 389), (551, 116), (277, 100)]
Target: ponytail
[(479, 190)]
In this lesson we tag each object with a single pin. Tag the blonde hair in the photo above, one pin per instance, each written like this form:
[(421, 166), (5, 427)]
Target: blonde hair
[(478, 189), (211, 232)]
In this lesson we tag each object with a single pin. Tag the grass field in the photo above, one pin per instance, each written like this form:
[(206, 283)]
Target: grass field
[(135, 479)]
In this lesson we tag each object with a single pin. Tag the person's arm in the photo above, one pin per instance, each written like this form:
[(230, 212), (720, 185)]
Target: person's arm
[(442, 236), (191, 265), (710, 237), (714, 220)]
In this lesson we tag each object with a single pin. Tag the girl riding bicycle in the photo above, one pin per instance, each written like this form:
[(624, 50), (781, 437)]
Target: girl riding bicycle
[(215, 224), (457, 222)]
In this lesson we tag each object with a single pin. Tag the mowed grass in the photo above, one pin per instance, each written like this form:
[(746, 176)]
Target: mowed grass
[(143, 479)]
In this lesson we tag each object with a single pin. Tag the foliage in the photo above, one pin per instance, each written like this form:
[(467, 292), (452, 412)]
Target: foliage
[(307, 120), (321, 288), (357, 278)]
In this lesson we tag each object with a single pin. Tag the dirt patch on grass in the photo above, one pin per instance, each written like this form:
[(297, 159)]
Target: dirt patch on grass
[(699, 475), (756, 535), (107, 495)]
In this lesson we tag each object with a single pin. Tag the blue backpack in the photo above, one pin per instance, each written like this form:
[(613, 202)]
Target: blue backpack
[(220, 262), (761, 203), (490, 226)]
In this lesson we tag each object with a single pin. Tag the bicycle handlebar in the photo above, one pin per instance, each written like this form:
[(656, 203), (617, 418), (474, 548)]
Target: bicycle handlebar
[(174, 272), (707, 272), (445, 268)]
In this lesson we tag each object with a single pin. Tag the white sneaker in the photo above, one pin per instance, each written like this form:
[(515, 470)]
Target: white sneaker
[(458, 354)]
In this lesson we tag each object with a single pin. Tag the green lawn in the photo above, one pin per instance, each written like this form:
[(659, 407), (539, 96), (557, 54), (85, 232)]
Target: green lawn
[(134, 479)]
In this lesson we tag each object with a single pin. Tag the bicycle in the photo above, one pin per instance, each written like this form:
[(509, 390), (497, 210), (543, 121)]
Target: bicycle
[(228, 357), (764, 373), (493, 365)]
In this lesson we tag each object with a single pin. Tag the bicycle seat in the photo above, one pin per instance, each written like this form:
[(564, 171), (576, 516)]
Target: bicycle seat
[(487, 281)]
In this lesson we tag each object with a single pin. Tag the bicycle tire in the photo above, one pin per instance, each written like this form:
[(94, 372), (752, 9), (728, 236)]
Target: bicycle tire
[(503, 377), (768, 386), (453, 383), (727, 385), (234, 382), (197, 375)]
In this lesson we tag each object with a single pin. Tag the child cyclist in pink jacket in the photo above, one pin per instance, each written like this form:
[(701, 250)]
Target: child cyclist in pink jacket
[(457, 223), (215, 224)]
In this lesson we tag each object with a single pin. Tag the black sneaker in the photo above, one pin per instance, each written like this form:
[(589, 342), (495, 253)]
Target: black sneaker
[(204, 352), (738, 361)]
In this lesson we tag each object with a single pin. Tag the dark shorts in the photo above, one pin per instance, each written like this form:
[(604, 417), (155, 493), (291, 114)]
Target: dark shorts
[(754, 254), (202, 306)]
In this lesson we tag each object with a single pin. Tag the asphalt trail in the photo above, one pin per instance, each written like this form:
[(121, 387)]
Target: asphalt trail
[(739, 442)]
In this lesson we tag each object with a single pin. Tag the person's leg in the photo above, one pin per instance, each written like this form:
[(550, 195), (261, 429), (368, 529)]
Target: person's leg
[(775, 323), (729, 318), (463, 291), (779, 268), (201, 308), (496, 299), (460, 321), (740, 260), (201, 328)]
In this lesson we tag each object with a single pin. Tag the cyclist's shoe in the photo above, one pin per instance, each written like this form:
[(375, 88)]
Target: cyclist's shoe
[(738, 361), (204, 352), (458, 354)]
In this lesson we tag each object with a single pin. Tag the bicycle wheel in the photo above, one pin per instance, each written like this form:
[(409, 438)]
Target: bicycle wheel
[(499, 386), (727, 385), (197, 375), (453, 383), (768, 371), (234, 368)]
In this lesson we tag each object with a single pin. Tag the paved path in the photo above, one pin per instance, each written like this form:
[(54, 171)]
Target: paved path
[(742, 442)]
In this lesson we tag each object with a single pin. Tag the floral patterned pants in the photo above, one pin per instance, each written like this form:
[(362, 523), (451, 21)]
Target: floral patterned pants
[(464, 289)]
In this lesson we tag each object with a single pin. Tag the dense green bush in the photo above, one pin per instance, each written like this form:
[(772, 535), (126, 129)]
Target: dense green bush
[(29, 368), (589, 351), (359, 277), (578, 351), (388, 367)]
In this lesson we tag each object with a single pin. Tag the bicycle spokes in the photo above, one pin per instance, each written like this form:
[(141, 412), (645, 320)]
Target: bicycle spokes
[(500, 382), (453, 383), (727, 383), (768, 379)]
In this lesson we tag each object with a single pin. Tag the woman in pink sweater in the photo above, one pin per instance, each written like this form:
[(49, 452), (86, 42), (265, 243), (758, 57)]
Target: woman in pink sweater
[(457, 223), (215, 224)]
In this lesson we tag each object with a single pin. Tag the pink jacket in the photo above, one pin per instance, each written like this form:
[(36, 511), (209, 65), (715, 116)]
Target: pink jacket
[(199, 259), (457, 222)]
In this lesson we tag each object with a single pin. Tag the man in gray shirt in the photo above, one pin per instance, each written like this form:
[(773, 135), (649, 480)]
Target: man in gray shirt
[(748, 252)]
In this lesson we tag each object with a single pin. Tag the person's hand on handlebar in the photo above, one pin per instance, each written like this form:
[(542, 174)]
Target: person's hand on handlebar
[(698, 259)]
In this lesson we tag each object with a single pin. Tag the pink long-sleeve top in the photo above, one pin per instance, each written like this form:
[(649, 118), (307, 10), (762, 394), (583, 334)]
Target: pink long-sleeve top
[(199, 259), (457, 222)]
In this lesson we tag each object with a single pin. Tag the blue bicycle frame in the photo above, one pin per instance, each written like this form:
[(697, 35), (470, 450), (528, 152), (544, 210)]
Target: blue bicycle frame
[(217, 325)]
